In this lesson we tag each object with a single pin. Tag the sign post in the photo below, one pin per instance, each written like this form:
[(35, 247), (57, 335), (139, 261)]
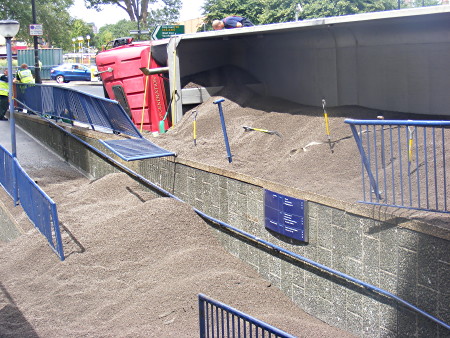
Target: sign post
[(166, 31)]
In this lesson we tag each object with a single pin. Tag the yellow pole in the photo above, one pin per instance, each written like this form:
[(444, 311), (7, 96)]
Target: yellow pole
[(410, 142), (325, 115), (195, 132), (194, 123), (145, 89)]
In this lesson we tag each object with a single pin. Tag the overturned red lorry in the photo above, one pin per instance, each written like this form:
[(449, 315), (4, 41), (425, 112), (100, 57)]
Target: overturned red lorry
[(124, 70)]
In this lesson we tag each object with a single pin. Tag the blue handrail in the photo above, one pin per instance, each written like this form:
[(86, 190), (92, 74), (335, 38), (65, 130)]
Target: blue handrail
[(426, 123)]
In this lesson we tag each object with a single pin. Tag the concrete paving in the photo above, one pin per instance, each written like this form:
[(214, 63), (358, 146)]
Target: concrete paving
[(30, 153)]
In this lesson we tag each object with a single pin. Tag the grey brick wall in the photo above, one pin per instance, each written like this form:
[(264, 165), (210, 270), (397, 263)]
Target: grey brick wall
[(413, 265)]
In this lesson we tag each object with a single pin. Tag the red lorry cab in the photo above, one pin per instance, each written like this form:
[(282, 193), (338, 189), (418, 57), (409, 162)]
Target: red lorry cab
[(142, 96)]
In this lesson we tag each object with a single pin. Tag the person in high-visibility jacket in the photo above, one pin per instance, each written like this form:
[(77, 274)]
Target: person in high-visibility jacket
[(4, 90), (24, 75)]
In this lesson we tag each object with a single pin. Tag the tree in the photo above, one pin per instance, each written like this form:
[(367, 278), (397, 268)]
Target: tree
[(108, 33), (78, 28), (137, 10), (420, 3), (274, 11), (324, 8), (168, 14), (52, 14), (218, 9), (277, 11)]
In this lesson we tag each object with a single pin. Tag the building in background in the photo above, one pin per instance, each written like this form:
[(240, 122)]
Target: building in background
[(193, 25)]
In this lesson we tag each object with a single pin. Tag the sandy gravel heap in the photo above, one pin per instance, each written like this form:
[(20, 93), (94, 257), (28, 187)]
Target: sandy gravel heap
[(134, 268)]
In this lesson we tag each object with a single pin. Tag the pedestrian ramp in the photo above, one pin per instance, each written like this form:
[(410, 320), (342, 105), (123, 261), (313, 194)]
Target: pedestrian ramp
[(135, 149), (65, 105)]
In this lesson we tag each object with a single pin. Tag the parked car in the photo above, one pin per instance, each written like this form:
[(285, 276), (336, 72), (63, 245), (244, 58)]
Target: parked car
[(70, 72)]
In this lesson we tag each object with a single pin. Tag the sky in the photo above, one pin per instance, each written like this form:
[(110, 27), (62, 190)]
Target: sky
[(111, 14)]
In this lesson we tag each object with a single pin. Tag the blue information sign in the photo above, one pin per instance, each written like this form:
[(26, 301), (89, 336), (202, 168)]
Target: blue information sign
[(285, 215)]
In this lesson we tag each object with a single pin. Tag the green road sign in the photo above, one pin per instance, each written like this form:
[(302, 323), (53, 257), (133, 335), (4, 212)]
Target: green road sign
[(166, 31)]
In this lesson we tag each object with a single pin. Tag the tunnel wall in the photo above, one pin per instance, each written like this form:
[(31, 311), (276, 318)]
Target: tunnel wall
[(383, 250), (387, 63)]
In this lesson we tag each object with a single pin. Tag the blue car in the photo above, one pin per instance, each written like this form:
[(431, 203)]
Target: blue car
[(70, 72)]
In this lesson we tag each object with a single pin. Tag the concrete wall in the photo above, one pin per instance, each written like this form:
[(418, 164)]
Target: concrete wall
[(398, 61), (387, 253)]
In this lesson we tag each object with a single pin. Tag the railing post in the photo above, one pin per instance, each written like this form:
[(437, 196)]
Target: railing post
[(224, 128), (201, 315), (445, 172), (57, 230), (365, 161)]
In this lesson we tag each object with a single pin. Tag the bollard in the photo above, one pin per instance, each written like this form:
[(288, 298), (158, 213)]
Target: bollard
[(224, 129)]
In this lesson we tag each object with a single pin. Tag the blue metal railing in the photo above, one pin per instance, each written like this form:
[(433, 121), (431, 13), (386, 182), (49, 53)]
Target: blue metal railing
[(404, 162), (72, 106), (6, 173), (40, 208), (220, 320)]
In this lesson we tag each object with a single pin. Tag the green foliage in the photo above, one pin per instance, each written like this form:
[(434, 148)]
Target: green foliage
[(76, 28), (166, 15), (52, 14), (274, 11), (108, 33), (137, 10), (59, 28), (420, 3), (163, 12), (218, 9), (19, 10), (4, 64), (322, 8), (277, 11)]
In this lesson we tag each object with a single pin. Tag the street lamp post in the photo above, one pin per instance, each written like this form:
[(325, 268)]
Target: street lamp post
[(298, 10), (8, 29), (73, 41), (88, 38), (80, 46)]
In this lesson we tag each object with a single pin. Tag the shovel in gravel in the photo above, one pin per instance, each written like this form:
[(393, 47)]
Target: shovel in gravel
[(271, 132)]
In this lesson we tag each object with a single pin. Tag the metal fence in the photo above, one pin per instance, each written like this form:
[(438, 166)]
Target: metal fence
[(220, 320), (7, 174), (404, 162), (40, 208), (72, 106)]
